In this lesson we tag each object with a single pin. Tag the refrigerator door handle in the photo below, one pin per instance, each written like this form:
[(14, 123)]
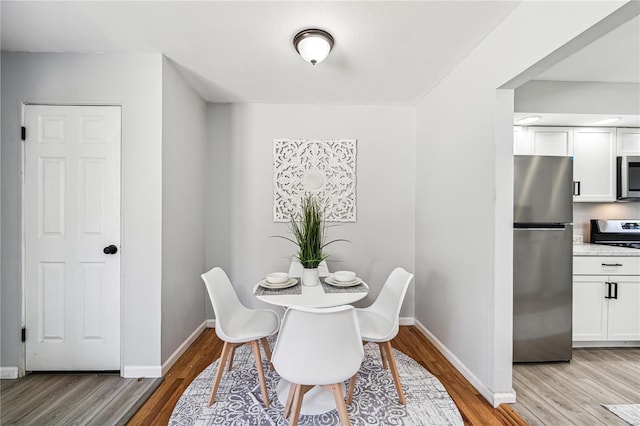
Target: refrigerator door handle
[(608, 296), (538, 229)]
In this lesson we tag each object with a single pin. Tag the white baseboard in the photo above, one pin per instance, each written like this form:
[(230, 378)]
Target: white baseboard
[(494, 398), (160, 371), (145, 371), (182, 348), (211, 323), (504, 398), (8, 372), (407, 321)]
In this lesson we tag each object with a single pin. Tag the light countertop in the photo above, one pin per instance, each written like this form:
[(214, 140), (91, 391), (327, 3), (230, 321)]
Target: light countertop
[(587, 249)]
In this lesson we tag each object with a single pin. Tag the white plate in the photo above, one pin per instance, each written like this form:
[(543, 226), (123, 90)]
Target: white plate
[(288, 283), (336, 283)]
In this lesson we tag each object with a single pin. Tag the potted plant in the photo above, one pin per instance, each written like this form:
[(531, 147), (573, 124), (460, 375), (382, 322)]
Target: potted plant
[(309, 236)]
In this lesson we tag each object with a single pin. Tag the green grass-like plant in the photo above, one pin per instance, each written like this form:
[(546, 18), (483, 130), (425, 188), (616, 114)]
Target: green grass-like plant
[(309, 233)]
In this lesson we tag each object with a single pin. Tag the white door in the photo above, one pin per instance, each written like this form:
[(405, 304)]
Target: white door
[(556, 141), (594, 163), (624, 309), (71, 195), (628, 141), (589, 308)]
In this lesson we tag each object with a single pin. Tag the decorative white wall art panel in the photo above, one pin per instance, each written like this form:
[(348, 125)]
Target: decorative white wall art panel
[(324, 168)]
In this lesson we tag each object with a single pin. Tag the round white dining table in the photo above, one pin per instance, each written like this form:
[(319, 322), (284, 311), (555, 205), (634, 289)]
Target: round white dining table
[(317, 400)]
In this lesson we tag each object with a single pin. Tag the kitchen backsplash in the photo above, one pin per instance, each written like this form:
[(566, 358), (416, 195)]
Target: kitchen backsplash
[(583, 212)]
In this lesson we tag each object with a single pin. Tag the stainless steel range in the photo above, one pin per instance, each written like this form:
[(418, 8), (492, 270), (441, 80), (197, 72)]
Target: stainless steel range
[(618, 232)]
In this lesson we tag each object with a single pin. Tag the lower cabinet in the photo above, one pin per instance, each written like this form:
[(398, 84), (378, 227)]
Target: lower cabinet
[(606, 300), (606, 308)]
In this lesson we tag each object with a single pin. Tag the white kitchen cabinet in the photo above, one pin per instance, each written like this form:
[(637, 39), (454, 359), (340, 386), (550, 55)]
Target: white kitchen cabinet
[(624, 311), (628, 141), (520, 141), (606, 303), (594, 164), (556, 141), (589, 308)]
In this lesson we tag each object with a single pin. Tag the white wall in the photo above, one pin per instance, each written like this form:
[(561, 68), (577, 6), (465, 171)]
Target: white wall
[(135, 82), (184, 146), (383, 236), (573, 97), (462, 291), (218, 241)]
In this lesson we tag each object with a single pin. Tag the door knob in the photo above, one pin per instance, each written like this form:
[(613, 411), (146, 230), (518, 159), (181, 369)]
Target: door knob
[(110, 249)]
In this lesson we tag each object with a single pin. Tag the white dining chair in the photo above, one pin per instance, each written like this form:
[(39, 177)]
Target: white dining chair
[(318, 347), (295, 268), (237, 325), (379, 323)]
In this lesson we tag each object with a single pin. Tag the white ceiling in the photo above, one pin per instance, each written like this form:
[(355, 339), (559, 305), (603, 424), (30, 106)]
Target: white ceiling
[(613, 58), (385, 52)]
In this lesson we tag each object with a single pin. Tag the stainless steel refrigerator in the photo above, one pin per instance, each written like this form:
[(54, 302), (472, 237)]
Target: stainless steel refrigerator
[(542, 258)]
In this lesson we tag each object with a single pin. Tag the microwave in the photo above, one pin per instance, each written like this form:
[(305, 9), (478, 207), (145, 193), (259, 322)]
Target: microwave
[(628, 178)]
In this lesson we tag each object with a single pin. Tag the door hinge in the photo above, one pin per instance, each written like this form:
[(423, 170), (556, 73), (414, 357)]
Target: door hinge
[(23, 133), (24, 334)]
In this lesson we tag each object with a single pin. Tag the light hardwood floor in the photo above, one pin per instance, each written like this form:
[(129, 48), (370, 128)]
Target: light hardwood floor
[(572, 393), (72, 399), (207, 348)]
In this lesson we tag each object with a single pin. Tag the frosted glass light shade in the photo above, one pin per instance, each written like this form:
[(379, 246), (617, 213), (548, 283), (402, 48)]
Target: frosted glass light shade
[(607, 121), (528, 120), (313, 45)]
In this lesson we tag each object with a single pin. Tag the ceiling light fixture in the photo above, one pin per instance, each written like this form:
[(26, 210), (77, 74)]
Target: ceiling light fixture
[(313, 45), (607, 121), (528, 120)]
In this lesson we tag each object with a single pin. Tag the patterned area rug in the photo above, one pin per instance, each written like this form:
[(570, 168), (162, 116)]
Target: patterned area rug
[(630, 413), (375, 401)]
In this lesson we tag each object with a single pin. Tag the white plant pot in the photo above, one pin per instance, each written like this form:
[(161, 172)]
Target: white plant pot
[(310, 276)]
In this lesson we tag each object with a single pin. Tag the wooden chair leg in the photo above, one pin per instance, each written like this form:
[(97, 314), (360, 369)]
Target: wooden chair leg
[(383, 357), (233, 352), (352, 386), (394, 371), (263, 383), (287, 407), (336, 389), (226, 351), (267, 351), (297, 403)]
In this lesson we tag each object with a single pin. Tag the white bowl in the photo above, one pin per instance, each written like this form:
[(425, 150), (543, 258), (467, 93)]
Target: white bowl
[(277, 277), (344, 276)]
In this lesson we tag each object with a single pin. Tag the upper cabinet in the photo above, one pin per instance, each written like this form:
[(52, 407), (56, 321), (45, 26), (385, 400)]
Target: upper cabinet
[(628, 141), (594, 163), (520, 140), (556, 141), (593, 150)]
